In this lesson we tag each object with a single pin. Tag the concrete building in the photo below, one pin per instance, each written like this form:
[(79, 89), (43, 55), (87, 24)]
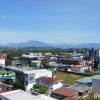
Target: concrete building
[(28, 78), (80, 68), (49, 83), (2, 59), (36, 63)]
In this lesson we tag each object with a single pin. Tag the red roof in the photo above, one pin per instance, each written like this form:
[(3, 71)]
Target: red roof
[(70, 59), (47, 79), (64, 91)]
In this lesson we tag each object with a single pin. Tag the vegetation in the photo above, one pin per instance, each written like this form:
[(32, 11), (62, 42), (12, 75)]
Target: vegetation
[(67, 77), (91, 96), (91, 72), (40, 88), (5, 72), (9, 59), (45, 63), (18, 85)]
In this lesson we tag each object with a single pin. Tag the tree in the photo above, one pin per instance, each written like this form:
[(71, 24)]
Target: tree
[(18, 85), (40, 88), (45, 62), (9, 59)]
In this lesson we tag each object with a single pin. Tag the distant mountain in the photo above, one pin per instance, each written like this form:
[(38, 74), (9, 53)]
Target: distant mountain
[(27, 44), (88, 45), (33, 43)]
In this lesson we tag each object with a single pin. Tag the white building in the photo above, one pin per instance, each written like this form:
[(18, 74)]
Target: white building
[(98, 53), (29, 77), (2, 59), (22, 95), (36, 63), (80, 68), (33, 55), (50, 83)]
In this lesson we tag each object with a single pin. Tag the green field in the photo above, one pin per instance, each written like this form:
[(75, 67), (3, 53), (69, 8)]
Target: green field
[(67, 77)]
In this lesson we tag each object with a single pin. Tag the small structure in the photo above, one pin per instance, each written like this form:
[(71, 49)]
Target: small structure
[(96, 83), (49, 82), (2, 59), (87, 81), (82, 90), (63, 93), (80, 68), (36, 64)]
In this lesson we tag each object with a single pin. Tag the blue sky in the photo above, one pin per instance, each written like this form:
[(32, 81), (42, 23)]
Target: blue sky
[(51, 21)]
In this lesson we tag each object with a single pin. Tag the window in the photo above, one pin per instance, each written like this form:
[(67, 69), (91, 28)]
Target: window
[(31, 78)]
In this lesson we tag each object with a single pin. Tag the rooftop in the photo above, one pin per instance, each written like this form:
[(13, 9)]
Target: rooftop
[(64, 91), (85, 80), (47, 79), (71, 59), (22, 95), (79, 88), (36, 71), (88, 79), (96, 77)]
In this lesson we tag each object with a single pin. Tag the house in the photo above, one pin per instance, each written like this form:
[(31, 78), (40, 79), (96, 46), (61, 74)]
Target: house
[(49, 82), (82, 90), (28, 77), (87, 81), (2, 59), (92, 82), (36, 64), (96, 83), (22, 95), (64, 92), (80, 68)]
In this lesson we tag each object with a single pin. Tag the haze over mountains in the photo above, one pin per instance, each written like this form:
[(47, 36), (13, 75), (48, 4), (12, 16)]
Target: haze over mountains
[(33, 43)]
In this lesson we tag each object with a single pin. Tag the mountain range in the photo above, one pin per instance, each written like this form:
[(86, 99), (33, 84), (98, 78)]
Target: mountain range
[(33, 43)]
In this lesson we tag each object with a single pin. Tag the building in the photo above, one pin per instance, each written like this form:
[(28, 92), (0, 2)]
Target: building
[(22, 95), (70, 61), (96, 83), (80, 68), (50, 83), (36, 64), (64, 92), (28, 77), (87, 81), (97, 52), (82, 90), (2, 59)]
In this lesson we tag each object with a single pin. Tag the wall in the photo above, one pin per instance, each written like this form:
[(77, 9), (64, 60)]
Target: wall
[(96, 85)]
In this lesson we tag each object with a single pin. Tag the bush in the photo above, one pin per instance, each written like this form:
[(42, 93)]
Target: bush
[(40, 88)]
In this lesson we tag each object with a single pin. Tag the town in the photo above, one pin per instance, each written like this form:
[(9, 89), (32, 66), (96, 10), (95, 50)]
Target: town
[(49, 49), (69, 74)]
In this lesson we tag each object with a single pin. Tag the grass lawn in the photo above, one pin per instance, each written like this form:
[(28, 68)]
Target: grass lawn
[(91, 72), (6, 72), (67, 77)]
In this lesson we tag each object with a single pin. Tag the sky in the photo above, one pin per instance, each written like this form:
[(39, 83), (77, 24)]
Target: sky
[(50, 21)]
